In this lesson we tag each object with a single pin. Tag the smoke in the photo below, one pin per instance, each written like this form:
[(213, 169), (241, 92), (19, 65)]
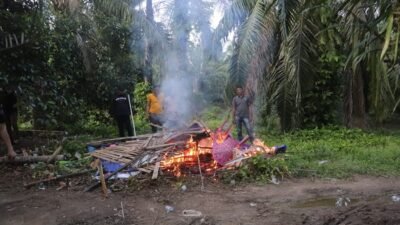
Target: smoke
[(186, 57), (176, 89)]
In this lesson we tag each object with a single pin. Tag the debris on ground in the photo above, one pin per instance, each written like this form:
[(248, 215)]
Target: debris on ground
[(193, 150), (396, 198)]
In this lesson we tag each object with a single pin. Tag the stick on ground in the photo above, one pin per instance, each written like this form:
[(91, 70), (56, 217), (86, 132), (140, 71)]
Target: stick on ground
[(30, 159), (102, 180), (57, 151), (58, 178)]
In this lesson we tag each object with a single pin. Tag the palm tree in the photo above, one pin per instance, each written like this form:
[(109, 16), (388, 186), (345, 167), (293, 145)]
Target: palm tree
[(372, 86), (273, 38), (278, 44)]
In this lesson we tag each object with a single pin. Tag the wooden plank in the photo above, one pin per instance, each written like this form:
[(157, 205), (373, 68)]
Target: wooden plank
[(132, 162), (102, 180), (166, 145), (132, 138), (155, 171), (117, 153), (114, 154), (111, 159), (144, 170), (121, 160)]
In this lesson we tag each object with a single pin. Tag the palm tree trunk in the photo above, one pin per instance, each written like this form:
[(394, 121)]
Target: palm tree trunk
[(181, 29), (354, 101), (148, 71)]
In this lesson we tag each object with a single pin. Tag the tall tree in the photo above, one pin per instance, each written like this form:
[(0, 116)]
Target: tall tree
[(280, 42)]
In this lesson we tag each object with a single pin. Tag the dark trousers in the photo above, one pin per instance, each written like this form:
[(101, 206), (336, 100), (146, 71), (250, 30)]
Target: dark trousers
[(124, 123), (155, 119), (239, 122)]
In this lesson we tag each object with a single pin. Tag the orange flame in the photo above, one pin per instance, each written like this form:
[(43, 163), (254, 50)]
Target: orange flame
[(190, 157)]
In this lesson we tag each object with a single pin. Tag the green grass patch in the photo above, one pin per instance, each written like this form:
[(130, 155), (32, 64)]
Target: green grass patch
[(214, 116), (339, 152)]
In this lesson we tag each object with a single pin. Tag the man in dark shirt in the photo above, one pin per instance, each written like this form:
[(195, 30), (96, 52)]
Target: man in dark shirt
[(121, 112), (242, 114)]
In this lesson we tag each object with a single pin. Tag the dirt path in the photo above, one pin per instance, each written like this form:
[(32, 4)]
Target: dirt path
[(291, 202)]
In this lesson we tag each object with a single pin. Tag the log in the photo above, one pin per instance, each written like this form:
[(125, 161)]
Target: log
[(57, 151), (58, 178), (30, 159)]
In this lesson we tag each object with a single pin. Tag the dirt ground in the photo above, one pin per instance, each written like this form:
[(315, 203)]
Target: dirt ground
[(368, 199)]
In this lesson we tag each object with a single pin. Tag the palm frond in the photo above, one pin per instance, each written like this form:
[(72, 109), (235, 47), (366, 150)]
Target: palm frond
[(254, 38), (234, 16)]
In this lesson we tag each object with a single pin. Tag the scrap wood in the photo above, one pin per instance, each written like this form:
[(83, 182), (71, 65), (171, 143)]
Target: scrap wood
[(144, 170), (132, 138), (57, 151), (132, 162), (155, 171), (246, 138), (188, 133), (165, 145), (58, 178), (30, 159), (102, 180)]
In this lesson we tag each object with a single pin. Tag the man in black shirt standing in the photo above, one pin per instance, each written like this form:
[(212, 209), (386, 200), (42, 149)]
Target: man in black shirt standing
[(242, 114), (121, 112)]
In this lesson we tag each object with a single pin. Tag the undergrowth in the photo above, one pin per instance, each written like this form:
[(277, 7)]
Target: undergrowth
[(339, 153)]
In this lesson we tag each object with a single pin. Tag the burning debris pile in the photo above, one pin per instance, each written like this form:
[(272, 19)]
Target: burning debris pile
[(193, 150)]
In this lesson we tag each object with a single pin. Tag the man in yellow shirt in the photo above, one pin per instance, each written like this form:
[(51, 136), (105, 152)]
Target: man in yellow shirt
[(154, 108)]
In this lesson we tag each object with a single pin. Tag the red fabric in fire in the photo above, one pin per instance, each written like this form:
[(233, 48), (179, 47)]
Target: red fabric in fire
[(223, 152)]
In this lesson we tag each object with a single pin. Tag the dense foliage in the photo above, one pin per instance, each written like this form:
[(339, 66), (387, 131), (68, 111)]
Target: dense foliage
[(310, 60), (311, 63)]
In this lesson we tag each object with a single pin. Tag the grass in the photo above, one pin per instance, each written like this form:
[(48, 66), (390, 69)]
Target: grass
[(339, 152), (332, 152), (214, 116)]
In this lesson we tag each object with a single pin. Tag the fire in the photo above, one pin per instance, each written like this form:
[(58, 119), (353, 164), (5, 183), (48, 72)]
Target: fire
[(195, 158), (220, 136), (257, 148)]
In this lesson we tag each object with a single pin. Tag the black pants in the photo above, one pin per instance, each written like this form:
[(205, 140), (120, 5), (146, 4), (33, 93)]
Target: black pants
[(155, 119), (124, 123)]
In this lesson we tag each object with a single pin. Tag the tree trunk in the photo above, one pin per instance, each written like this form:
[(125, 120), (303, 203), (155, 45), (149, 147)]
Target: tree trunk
[(181, 29), (354, 101), (148, 70)]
